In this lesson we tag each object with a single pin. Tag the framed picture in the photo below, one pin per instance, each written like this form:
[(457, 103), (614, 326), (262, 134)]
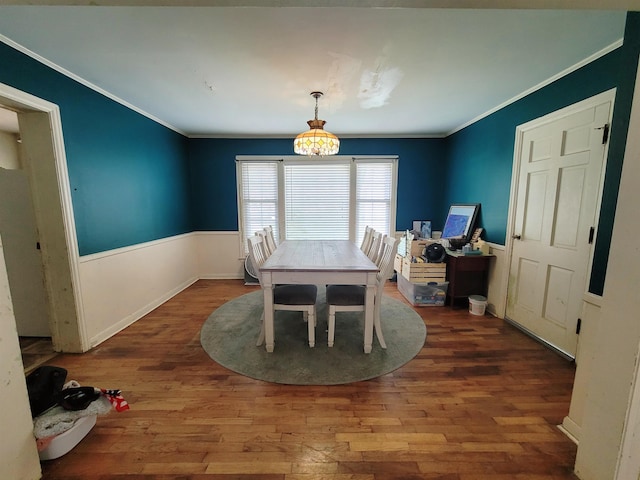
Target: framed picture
[(422, 226)]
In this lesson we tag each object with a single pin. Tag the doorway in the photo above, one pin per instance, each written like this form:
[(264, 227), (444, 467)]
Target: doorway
[(44, 163), (556, 190)]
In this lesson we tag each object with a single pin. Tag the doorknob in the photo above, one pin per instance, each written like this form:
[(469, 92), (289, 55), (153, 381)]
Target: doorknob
[(516, 237)]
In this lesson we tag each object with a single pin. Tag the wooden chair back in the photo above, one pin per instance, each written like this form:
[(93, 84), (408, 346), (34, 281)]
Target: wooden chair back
[(366, 241), (374, 248), (257, 253), (270, 239)]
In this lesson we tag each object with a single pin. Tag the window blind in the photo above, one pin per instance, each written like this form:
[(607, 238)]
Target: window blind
[(374, 188), (317, 201), (259, 197), (317, 198)]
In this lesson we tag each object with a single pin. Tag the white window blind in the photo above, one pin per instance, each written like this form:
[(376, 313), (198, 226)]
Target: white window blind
[(317, 198), (317, 201), (259, 197), (374, 192)]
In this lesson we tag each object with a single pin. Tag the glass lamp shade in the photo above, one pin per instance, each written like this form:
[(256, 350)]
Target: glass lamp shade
[(316, 141)]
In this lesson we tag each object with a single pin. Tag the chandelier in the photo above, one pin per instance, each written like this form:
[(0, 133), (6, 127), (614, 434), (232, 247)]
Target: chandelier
[(316, 140)]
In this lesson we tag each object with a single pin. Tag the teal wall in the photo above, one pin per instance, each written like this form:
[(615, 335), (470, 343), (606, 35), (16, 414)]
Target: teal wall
[(134, 180), (128, 174), (420, 172), (480, 157)]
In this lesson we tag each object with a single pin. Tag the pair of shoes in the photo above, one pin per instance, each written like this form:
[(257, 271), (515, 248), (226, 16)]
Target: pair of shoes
[(77, 398)]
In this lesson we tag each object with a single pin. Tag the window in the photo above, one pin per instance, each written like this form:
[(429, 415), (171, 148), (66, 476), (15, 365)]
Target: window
[(258, 197), (318, 198)]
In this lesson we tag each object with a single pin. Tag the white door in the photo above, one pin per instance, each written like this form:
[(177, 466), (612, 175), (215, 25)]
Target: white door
[(558, 191), (23, 259)]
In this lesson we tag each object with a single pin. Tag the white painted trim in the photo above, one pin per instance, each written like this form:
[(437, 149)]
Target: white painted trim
[(215, 255), (86, 83), (130, 248), (629, 461), (570, 429), (138, 314), (541, 85), (504, 104), (628, 464), (125, 284), (69, 219), (608, 95), (592, 298), (22, 101)]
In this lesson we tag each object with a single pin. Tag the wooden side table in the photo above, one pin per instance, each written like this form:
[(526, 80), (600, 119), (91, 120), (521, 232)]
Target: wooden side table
[(467, 275)]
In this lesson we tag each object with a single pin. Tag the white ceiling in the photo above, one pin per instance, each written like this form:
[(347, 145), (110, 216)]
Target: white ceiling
[(248, 71)]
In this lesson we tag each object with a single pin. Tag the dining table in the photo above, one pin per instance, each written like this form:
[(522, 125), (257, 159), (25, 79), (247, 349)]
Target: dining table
[(318, 262)]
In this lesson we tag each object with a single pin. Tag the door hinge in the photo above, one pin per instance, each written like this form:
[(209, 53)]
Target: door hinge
[(591, 233), (578, 325), (605, 133)]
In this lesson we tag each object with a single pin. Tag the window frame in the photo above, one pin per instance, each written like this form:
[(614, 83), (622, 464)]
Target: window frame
[(353, 161)]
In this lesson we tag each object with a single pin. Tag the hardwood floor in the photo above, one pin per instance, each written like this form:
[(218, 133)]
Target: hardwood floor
[(480, 401), (35, 351)]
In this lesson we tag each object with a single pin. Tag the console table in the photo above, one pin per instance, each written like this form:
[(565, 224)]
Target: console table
[(467, 275)]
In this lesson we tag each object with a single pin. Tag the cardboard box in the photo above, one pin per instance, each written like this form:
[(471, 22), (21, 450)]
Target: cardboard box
[(423, 272), (423, 294)]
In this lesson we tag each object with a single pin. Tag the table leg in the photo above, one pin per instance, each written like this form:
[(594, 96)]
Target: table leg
[(368, 317), (267, 288)]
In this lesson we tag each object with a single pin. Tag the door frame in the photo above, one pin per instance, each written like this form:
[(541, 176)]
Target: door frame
[(50, 190), (590, 102)]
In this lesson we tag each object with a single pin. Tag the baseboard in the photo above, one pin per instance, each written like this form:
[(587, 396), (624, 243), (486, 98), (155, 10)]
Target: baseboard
[(571, 429), (135, 316)]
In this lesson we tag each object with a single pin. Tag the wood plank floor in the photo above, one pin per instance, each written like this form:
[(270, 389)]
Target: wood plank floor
[(480, 401), (35, 351)]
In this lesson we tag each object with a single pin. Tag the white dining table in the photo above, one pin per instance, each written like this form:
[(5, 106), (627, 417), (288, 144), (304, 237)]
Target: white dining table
[(318, 262)]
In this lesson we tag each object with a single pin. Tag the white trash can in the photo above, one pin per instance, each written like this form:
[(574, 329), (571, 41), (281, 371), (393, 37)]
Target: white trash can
[(477, 304)]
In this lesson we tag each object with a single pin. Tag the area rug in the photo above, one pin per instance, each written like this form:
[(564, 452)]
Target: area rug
[(229, 337)]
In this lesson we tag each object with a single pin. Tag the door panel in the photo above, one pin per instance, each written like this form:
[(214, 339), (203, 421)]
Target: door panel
[(560, 168), (565, 228), (23, 259), (536, 194)]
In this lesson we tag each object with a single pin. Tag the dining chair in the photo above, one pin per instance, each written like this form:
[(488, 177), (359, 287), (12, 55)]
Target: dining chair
[(375, 249), (350, 298), (366, 241), (285, 297), (265, 246), (270, 239)]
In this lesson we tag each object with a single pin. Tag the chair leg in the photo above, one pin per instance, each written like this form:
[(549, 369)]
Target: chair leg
[(332, 325), (376, 324), (311, 323), (261, 336)]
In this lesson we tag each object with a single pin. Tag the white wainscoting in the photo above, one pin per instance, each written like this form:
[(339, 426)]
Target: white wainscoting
[(497, 290), (219, 255), (120, 286), (587, 348)]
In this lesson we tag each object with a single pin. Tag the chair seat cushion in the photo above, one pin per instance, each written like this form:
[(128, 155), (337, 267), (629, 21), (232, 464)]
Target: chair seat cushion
[(295, 294), (345, 294)]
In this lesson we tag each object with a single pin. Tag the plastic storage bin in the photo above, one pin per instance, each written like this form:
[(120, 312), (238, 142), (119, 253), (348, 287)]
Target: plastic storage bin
[(423, 294), (64, 442)]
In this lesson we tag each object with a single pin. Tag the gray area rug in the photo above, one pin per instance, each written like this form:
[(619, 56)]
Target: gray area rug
[(229, 337)]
